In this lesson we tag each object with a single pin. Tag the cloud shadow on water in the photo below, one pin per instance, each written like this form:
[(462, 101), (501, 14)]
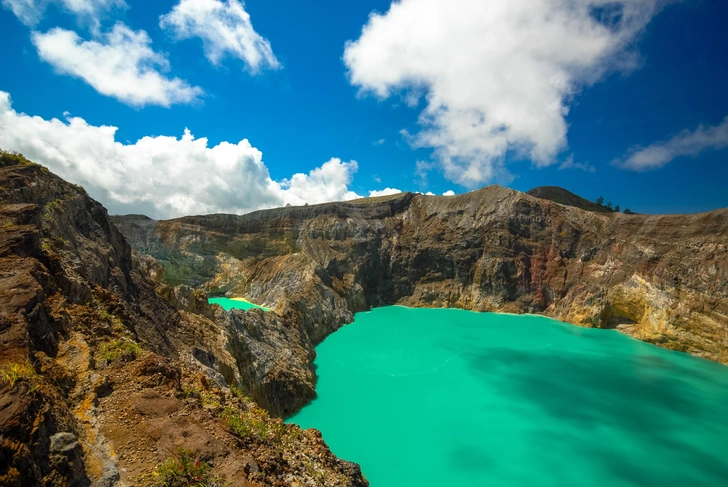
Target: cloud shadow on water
[(671, 427)]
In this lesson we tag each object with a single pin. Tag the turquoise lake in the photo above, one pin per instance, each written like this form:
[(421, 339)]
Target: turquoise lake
[(423, 397), (228, 304)]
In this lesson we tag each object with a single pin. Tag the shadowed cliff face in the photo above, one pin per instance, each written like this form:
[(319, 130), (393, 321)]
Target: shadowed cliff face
[(105, 372), (663, 279)]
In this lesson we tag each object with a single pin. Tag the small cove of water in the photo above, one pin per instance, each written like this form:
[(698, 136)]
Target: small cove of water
[(435, 397), (228, 304)]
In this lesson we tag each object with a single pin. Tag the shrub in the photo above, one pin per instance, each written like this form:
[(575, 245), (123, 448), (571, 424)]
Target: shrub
[(14, 373), (182, 471), (10, 158), (238, 392), (123, 349), (256, 424), (247, 424)]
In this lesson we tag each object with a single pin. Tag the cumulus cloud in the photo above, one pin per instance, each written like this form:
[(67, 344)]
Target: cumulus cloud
[(31, 11), (384, 192), (326, 183), (686, 143), (225, 29), (497, 76), (570, 164), (449, 193), (165, 176), (121, 64)]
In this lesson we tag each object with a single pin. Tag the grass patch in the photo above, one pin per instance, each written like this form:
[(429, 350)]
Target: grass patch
[(255, 424), (248, 424), (182, 470), (238, 392), (14, 373), (123, 349)]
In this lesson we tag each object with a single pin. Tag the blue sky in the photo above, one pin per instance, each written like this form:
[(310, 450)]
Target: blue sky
[(467, 93)]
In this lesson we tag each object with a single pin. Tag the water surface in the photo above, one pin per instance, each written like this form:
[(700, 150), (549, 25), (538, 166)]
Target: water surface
[(422, 397), (228, 304)]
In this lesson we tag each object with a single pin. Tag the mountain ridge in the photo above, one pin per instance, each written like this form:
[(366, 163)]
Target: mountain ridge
[(108, 375)]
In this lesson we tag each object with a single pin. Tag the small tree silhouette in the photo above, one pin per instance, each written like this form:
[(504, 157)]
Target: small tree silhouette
[(616, 208), (600, 200), (609, 205)]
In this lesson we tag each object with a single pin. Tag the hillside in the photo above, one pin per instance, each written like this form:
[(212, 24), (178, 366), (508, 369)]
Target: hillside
[(106, 373), (565, 197), (662, 279)]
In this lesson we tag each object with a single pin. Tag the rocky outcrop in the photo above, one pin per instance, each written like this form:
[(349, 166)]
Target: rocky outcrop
[(663, 279), (102, 379)]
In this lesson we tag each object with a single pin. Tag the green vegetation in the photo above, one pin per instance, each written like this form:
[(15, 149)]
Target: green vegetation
[(255, 423), (122, 349), (182, 470), (608, 206), (53, 205), (14, 373), (245, 424), (193, 392), (11, 158)]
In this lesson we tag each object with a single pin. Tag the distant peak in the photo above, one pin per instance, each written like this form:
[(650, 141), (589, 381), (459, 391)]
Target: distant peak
[(566, 197)]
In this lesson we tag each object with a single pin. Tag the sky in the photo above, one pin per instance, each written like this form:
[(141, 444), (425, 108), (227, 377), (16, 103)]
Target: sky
[(179, 107)]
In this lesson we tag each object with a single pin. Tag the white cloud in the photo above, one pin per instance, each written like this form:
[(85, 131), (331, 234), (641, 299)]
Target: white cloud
[(497, 76), (379, 142), (30, 12), (121, 65), (449, 193), (686, 143), (163, 176), (225, 29), (570, 164), (384, 192), (422, 170), (326, 183)]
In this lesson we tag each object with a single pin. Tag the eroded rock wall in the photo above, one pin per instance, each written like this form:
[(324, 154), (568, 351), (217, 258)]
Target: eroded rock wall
[(662, 279), (105, 370)]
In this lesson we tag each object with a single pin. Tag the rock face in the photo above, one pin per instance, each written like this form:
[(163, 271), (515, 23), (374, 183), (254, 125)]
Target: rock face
[(105, 371), (663, 279)]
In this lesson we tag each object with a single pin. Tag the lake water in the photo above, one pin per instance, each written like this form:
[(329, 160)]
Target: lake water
[(228, 304), (423, 397)]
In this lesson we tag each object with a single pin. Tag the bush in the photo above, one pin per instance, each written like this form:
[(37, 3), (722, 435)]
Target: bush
[(124, 350), (14, 373), (247, 424), (182, 471), (10, 158)]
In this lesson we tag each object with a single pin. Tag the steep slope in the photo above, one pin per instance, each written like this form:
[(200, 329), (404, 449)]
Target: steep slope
[(663, 279), (102, 380), (566, 197)]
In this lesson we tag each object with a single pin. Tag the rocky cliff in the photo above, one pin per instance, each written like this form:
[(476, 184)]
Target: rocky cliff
[(110, 377), (662, 279)]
